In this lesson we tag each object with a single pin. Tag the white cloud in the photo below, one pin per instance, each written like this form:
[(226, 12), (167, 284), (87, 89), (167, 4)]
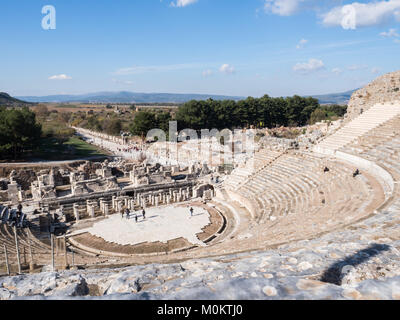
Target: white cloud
[(228, 69), (389, 34), (312, 65), (60, 77), (301, 44), (182, 3), (337, 71), (282, 7), (366, 14), (207, 73)]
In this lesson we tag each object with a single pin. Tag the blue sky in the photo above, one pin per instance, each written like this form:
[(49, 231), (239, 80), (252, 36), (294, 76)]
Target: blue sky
[(231, 47)]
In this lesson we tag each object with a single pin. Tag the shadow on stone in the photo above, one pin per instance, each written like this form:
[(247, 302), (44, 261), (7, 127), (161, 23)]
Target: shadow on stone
[(334, 274)]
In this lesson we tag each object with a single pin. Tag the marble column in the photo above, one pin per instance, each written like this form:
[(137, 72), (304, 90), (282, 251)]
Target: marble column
[(76, 211)]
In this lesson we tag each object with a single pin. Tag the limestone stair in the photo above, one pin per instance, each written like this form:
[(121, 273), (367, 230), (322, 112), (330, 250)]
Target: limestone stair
[(369, 120)]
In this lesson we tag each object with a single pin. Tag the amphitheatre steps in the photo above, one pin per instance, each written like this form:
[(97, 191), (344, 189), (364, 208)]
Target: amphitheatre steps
[(295, 186), (39, 242), (369, 120), (380, 147), (262, 159)]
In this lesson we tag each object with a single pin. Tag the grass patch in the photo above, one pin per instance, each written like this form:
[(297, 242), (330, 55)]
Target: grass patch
[(83, 148), (73, 148)]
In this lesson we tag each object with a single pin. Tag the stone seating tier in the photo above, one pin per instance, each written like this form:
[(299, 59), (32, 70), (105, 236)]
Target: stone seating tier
[(295, 183), (369, 120)]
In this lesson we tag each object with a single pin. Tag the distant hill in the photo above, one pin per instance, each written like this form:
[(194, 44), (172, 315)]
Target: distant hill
[(335, 98), (7, 100), (127, 97), (133, 97)]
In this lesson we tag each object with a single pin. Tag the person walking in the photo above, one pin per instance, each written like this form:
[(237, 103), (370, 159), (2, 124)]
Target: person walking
[(144, 214), (191, 212)]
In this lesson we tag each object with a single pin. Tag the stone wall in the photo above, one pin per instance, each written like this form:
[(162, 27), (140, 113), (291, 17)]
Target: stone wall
[(384, 89)]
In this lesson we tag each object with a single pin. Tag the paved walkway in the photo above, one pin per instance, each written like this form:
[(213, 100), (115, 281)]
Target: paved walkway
[(161, 224)]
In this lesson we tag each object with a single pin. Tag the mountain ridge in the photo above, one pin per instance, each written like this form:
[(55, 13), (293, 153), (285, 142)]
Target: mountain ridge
[(136, 97), (127, 97), (7, 100)]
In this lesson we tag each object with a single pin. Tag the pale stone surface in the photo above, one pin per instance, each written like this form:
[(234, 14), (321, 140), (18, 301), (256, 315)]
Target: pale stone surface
[(270, 291), (161, 224), (305, 266), (352, 294)]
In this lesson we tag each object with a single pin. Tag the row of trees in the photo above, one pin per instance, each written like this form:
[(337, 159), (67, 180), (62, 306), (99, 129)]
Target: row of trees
[(19, 132), (111, 125), (265, 112), (331, 112), (145, 121)]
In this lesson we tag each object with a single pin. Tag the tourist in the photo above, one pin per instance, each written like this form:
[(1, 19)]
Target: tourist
[(13, 218), (191, 212), (144, 214), (127, 212), (356, 173), (136, 218)]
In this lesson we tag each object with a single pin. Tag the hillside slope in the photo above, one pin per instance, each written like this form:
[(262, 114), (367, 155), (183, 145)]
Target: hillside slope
[(334, 98), (384, 89), (7, 100)]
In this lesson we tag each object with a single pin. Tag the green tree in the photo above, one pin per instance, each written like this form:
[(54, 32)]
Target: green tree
[(192, 115), (144, 122), (259, 112), (317, 116), (19, 131), (93, 123), (163, 120), (112, 126)]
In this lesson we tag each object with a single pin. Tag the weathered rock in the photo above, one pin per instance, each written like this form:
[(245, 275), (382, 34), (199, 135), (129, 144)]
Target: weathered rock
[(384, 89), (5, 294), (270, 291)]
